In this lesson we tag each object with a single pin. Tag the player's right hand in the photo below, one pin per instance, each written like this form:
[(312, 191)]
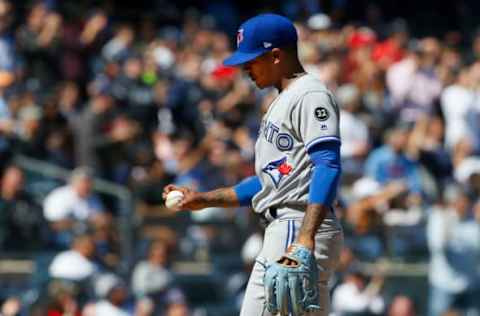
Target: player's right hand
[(192, 200)]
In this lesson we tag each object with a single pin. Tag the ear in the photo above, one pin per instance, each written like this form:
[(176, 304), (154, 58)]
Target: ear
[(276, 54)]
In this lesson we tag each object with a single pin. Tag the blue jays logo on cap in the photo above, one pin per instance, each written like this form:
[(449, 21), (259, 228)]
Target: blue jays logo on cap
[(261, 34)]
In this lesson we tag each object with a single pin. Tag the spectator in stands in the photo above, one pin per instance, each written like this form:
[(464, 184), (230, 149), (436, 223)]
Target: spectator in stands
[(71, 208), (392, 50), (7, 125), (81, 41), (364, 217), (119, 47), (356, 296), (184, 95), (473, 115), (62, 299), (117, 152), (390, 162), (177, 309), (467, 173), (9, 68), (354, 131), (27, 138), (144, 307), (77, 263), (134, 94), (38, 41), (22, 227), (12, 306), (8, 59), (152, 275), (449, 64), (55, 136), (68, 99), (360, 43), (456, 102), (426, 144), (413, 82), (454, 241), (402, 306), (90, 128), (153, 278), (113, 295), (107, 242)]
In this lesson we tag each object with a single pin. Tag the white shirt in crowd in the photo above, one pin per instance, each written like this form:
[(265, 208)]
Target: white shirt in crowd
[(347, 298), (454, 245), (456, 102), (354, 133), (104, 308), (148, 278), (64, 203), (413, 91), (71, 265)]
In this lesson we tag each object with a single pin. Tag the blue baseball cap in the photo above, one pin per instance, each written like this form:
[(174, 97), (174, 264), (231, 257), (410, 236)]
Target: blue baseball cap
[(261, 34)]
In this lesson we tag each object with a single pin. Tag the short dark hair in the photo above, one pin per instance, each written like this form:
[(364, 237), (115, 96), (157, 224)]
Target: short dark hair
[(291, 49)]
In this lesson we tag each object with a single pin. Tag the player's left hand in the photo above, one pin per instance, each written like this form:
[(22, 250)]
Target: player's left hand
[(291, 283)]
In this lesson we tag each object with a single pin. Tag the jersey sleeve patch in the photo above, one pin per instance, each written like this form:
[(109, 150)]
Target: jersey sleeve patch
[(316, 116), (321, 114)]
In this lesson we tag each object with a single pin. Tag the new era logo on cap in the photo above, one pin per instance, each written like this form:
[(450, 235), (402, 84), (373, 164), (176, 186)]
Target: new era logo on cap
[(261, 34), (239, 37)]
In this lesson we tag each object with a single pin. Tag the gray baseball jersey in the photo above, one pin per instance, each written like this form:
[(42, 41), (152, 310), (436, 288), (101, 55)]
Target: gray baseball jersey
[(302, 115)]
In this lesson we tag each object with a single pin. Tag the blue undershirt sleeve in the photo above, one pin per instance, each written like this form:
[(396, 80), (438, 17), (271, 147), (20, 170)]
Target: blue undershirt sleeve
[(326, 172), (247, 189)]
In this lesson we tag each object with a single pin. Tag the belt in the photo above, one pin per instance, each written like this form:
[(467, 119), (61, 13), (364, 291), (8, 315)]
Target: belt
[(271, 214), (268, 216)]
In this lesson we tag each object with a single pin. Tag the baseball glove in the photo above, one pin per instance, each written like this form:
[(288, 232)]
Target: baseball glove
[(291, 283)]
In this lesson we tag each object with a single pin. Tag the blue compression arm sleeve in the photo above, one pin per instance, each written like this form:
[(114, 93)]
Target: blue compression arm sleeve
[(246, 189), (326, 173)]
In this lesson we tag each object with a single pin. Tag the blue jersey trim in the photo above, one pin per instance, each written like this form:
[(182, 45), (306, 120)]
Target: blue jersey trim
[(321, 139), (247, 189)]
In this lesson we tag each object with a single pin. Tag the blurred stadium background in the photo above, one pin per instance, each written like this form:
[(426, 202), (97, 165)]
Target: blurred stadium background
[(103, 103)]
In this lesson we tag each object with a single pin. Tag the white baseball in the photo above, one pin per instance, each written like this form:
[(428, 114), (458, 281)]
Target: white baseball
[(173, 198)]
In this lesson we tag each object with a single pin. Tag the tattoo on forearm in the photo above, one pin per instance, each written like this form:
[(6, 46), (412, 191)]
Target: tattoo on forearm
[(314, 216), (224, 197)]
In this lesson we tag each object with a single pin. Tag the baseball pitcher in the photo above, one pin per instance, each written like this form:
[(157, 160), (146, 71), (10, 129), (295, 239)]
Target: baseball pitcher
[(297, 164)]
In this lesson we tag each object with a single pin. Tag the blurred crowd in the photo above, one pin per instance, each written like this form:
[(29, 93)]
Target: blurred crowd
[(145, 104)]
